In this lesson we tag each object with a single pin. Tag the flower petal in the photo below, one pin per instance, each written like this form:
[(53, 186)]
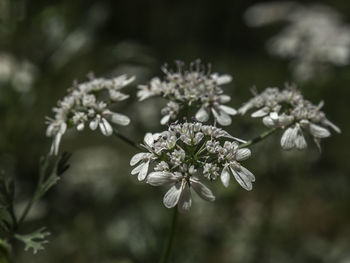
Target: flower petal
[(225, 176), (137, 169), (203, 191), (185, 200), (137, 158), (202, 115), (268, 122), (288, 138), (274, 116), (222, 118), (318, 131), (300, 141), (224, 98), (149, 139), (143, 172), (223, 79), (285, 120), (228, 110), (161, 178), (52, 148), (260, 113), (242, 178), (165, 119), (63, 128), (171, 198), (56, 143), (243, 154), (144, 93), (243, 110), (93, 124), (120, 119), (332, 125), (105, 127), (80, 126), (248, 173)]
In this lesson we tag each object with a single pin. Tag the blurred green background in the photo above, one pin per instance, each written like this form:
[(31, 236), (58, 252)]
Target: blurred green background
[(298, 210)]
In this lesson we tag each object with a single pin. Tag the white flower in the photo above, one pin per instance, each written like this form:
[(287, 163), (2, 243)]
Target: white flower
[(288, 110), (169, 112), (186, 151), (211, 171), (143, 159), (153, 89), (81, 106), (193, 87), (315, 36)]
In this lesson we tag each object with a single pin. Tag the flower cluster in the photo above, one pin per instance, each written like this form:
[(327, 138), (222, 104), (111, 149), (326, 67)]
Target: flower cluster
[(186, 152), (315, 36), (88, 102), (289, 110), (195, 87)]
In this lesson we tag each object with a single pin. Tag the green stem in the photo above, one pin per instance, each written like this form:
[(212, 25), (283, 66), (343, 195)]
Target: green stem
[(167, 248), (26, 210), (259, 138), (44, 162), (201, 149), (127, 140), (13, 216)]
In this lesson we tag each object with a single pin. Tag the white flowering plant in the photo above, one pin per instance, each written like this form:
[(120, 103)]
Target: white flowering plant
[(83, 104), (314, 39), (192, 151), (191, 90)]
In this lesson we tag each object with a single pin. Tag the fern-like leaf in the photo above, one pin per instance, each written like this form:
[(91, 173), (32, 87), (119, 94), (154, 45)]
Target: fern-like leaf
[(35, 240)]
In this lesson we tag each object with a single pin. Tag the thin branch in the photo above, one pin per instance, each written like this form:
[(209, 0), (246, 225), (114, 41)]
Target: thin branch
[(259, 138), (13, 216), (26, 210), (126, 139)]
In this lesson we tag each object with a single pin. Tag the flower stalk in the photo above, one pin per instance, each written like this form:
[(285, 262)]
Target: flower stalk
[(259, 138), (170, 240), (126, 139)]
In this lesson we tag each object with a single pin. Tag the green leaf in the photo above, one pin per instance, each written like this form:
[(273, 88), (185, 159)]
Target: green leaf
[(35, 240)]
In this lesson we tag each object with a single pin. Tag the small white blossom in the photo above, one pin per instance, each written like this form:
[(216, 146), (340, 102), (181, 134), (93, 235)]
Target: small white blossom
[(194, 87), (82, 106), (186, 151), (314, 38), (170, 112), (143, 159), (211, 171), (288, 110)]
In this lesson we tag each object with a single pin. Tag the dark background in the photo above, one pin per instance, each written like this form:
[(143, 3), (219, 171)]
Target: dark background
[(298, 210)]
